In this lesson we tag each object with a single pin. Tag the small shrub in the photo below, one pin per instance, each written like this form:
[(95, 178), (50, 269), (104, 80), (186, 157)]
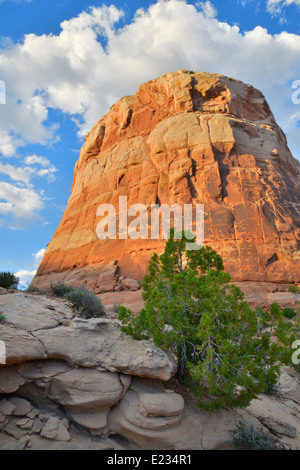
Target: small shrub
[(251, 438), (33, 290), (294, 289), (60, 289), (289, 313), (2, 318), (273, 389), (85, 301), (8, 280), (79, 297)]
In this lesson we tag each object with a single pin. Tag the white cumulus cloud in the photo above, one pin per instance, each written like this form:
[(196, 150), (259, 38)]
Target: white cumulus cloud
[(21, 204), (38, 256), (93, 62), (33, 159), (208, 9), (21, 201), (47, 169), (16, 173), (275, 6), (25, 277)]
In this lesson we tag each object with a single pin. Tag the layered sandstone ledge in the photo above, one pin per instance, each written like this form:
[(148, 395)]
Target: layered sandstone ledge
[(186, 137)]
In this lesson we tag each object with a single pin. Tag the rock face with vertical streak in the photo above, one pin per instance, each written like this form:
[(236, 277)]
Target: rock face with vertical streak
[(186, 137)]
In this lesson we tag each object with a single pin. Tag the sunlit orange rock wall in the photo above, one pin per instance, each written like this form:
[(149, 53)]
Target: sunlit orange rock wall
[(186, 137)]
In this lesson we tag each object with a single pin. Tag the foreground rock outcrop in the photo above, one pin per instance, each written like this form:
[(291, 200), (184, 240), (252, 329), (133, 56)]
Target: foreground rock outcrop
[(38, 327), (186, 137), (70, 383)]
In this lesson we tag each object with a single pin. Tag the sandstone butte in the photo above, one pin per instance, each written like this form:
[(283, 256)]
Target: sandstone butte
[(186, 137)]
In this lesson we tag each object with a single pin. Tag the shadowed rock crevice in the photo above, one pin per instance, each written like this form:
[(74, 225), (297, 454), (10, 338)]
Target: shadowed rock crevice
[(272, 260)]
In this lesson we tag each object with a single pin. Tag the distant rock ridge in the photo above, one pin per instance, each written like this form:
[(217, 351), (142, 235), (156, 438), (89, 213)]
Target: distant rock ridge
[(186, 137)]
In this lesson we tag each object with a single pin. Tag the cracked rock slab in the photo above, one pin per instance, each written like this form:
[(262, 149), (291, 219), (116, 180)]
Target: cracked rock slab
[(109, 348), (10, 380), (88, 395), (86, 389), (279, 427), (32, 312), (20, 345), (22, 406), (147, 412), (54, 429), (6, 407)]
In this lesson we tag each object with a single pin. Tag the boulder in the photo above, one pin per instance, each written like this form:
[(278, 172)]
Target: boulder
[(10, 379), (279, 427), (128, 284), (20, 345), (12, 429), (84, 389), (31, 312), (87, 395), (54, 429), (99, 342), (6, 407), (147, 413), (25, 423), (22, 406), (280, 417)]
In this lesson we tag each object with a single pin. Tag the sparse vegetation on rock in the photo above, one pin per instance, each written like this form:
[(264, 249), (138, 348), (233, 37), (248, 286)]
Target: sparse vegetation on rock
[(226, 352), (82, 299), (85, 301), (294, 289), (33, 290), (60, 289), (250, 438), (289, 313)]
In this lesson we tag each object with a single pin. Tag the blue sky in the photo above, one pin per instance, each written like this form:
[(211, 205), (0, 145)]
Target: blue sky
[(64, 63)]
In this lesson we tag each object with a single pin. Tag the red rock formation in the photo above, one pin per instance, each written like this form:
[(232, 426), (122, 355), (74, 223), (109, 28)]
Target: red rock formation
[(184, 138)]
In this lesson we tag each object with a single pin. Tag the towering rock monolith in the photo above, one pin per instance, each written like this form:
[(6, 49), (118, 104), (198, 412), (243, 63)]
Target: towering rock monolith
[(186, 137)]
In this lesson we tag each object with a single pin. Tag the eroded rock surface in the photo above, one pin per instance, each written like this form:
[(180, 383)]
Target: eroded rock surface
[(72, 395), (186, 137), (51, 333)]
